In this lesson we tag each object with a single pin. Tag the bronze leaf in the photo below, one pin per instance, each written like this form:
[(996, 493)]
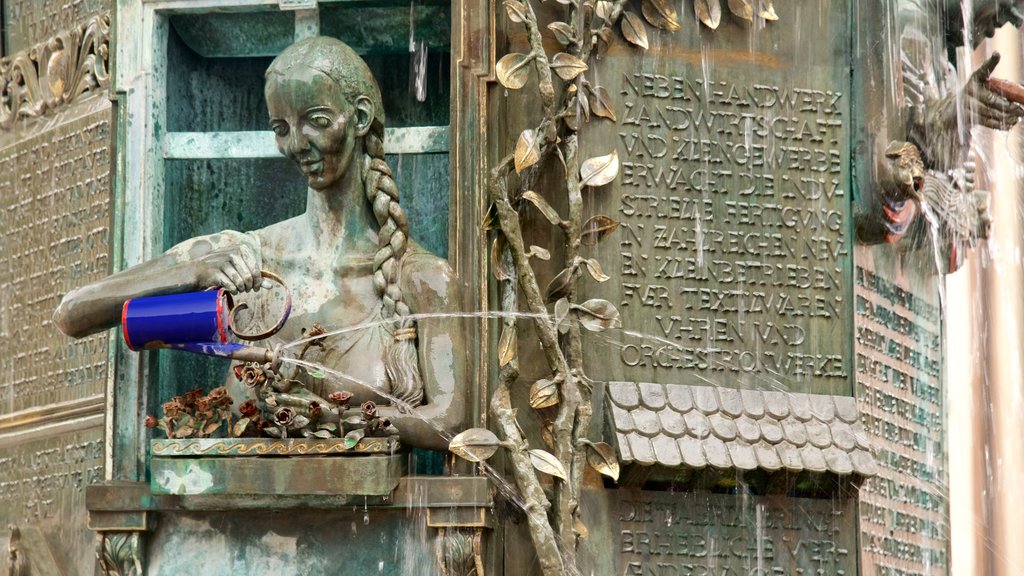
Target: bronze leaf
[(601, 457), (502, 268), (768, 10), (567, 66), (594, 267), (475, 444), (598, 315), (491, 221), (546, 209), (601, 104), (507, 345), (661, 14), (563, 33), (516, 10), (595, 229), (742, 8), (512, 70), (599, 170), (709, 12), (544, 394), (527, 150), (547, 463), (538, 252), (559, 285), (633, 30)]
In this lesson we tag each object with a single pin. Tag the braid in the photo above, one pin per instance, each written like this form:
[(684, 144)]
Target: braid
[(401, 362)]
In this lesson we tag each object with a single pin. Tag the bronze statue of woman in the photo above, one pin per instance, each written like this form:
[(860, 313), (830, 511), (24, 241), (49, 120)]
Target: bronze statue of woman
[(348, 259)]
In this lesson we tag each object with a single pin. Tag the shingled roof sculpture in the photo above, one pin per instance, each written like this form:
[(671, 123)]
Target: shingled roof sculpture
[(699, 426)]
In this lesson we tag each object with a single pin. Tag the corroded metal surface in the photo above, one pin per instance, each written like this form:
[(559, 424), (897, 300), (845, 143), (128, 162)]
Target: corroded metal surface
[(270, 447), (54, 201), (733, 256), (28, 22), (42, 493), (700, 426), (662, 533), (903, 510), (373, 475)]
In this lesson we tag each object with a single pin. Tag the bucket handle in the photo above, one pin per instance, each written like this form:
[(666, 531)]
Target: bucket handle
[(280, 322)]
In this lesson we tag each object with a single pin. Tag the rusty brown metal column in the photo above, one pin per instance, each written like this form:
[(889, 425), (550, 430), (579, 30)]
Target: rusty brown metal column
[(1004, 299), (966, 420), (985, 354)]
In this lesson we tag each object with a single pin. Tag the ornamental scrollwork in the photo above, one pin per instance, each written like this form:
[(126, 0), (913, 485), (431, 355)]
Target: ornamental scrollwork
[(55, 72)]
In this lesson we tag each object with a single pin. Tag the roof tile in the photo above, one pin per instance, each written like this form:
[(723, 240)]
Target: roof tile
[(624, 452), (693, 452), (842, 435), (652, 395), (863, 463), (767, 457), (748, 429), (723, 427), (838, 461), (753, 403), (846, 409), (623, 421), (817, 434), (743, 456), (799, 406), (705, 399), (771, 430), (813, 459), (642, 450), (672, 423), (666, 450), (624, 394), (679, 397), (730, 402), (717, 453), (795, 431), (823, 407), (697, 424), (776, 404), (646, 422), (790, 457)]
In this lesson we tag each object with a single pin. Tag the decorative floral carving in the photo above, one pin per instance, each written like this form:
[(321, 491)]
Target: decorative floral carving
[(54, 73), (120, 553)]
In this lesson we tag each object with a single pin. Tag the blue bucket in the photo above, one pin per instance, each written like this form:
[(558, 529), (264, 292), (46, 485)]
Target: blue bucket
[(165, 321)]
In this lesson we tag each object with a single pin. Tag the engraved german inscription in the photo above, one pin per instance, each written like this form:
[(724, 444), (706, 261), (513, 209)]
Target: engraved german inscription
[(694, 533), (734, 245), (903, 510), (55, 201), (28, 22)]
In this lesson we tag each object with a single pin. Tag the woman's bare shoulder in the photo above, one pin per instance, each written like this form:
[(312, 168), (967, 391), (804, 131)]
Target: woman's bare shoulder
[(428, 278)]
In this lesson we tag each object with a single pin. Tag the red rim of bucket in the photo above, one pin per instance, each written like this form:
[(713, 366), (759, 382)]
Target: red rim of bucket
[(124, 324), (221, 324)]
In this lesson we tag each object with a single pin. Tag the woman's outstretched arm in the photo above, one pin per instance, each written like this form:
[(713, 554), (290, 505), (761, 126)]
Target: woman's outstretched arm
[(227, 259)]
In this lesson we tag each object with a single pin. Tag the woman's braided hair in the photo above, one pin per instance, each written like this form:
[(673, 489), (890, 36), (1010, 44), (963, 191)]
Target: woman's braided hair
[(337, 61)]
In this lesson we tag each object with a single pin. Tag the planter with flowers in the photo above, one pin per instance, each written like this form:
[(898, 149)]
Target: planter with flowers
[(280, 441)]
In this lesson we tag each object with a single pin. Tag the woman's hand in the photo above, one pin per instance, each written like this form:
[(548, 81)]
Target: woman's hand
[(987, 107), (232, 262)]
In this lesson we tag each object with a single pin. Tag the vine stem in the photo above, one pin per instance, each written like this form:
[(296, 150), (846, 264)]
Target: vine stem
[(541, 532)]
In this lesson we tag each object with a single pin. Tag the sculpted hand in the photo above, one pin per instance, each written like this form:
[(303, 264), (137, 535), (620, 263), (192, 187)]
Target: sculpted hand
[(986, 107), (233, 264)]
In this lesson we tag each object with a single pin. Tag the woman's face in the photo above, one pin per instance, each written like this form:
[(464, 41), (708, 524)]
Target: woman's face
[(315, 125)]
